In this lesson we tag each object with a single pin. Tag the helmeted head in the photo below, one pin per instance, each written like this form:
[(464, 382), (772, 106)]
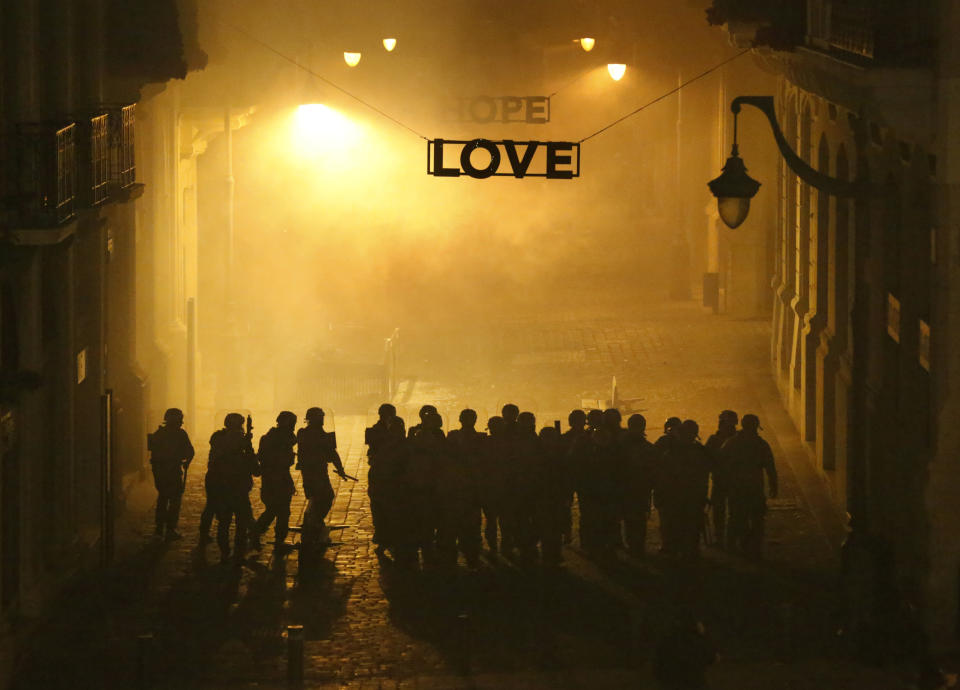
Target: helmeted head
[(527, 421), (495, 425), (637, 423), (577, 419), (750, 423), (672, 425), (728, 419), (173, 417), (314, 415), (612, 418), (594, 419), (510, 412), (689, 431), (427, 411), (468, 418), (387, 411), (234, 420), (286, 420)]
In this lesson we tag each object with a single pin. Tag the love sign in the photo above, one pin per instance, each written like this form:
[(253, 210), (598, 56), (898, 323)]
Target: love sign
[(483, 158)]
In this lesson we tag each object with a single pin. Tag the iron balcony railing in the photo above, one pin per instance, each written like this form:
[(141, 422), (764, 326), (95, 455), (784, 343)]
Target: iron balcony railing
[(124, 169), (876, 34), (94, 158), (843, 25), (47, 173)]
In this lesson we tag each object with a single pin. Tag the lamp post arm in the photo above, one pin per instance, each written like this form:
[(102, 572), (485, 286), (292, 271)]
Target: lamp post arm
[(813, 177)]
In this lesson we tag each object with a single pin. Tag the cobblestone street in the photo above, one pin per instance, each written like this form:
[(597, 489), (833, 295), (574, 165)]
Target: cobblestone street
[(593, 625)]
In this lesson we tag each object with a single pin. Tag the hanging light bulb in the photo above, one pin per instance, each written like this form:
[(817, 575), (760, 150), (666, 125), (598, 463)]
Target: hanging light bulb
[(616, 71), (352, 59), (588, 43), (389, 44)]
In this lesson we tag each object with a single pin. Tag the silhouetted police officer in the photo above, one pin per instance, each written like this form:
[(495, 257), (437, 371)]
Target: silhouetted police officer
[(521, 488), (316, 449), (232, 465), (426, 445), (719, 489), (577, 420), (386, 442), (276, 456), (640, 467), (170, 455), (661, 486), (491, 480), (459, 493), (551, 494), (685, 481), (591, 486), (748, 457)]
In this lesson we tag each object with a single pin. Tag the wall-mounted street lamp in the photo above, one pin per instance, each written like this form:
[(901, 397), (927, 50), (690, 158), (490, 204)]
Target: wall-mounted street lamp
[(734, 188), (352, 59), (616, 70), (389, 44), (588, 43)]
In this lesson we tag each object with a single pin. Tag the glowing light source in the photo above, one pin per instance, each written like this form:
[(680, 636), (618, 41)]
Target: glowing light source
[(587, 43), (616, 71), (389, 44), (320, 129), (352, 59)]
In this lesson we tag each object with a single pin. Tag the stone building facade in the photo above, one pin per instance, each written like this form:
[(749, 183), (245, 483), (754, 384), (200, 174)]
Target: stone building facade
[(864, 336)]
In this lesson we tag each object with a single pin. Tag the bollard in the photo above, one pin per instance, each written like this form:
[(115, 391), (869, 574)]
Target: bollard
[(787, 618), (144, 644), (295, 655), (464, 642), (636, 622)]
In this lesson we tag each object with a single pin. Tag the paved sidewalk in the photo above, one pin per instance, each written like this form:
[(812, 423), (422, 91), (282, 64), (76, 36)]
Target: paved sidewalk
[(591, 626)]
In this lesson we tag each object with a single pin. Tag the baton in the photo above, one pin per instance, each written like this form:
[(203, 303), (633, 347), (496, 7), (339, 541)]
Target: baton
[(347, 476)]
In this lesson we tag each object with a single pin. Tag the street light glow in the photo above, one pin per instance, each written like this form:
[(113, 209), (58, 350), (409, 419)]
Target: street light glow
[(318, 128), (587, 43), (352, 59), (616, 70), (389, 44)]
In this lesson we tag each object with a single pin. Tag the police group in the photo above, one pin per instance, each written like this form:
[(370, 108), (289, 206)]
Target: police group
[(434, 496)]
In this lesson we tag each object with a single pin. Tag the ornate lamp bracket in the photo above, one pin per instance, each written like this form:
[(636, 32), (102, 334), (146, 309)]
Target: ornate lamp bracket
[(813, 177)]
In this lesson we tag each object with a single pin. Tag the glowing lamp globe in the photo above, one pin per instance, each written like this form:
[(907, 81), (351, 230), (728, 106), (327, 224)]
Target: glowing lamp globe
[(352, 59), (389, 44), (616, 71), (733, 189), (587, 44)]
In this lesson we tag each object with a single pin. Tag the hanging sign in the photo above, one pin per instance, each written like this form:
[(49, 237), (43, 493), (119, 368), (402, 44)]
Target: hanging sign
[(534, 110), (483, 158)]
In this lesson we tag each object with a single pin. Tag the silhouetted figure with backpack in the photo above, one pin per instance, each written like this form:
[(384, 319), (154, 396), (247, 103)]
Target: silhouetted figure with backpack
[(232, 466), (276, 457), (316, 449), (170, 456), (459, 494), (386, 456)]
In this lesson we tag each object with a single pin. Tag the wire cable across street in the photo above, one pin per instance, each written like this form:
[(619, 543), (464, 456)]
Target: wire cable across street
[(666, 95), (380, 112)]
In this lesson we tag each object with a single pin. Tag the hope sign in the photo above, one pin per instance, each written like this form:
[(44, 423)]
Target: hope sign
[(559, 160)]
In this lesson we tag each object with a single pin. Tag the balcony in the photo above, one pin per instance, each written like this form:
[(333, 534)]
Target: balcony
[(46, 178), (861, 32), (94, 157), (123, 169)]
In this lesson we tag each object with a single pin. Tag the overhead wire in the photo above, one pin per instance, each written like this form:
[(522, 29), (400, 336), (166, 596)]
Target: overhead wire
[(669, 93), (322, 78), (407, 127)]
